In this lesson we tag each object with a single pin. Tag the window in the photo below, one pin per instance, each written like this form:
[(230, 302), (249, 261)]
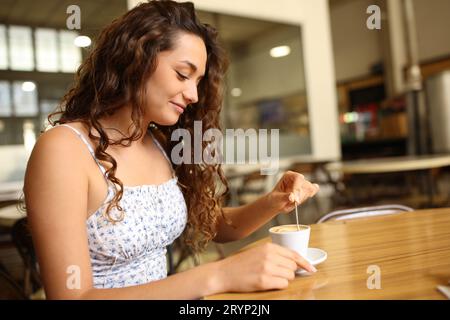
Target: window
[(53, 50), (47, 107), (21, 48), (46, 50), (26, 52), (25, 99), (3, 50), (70, 55), (5, 99)]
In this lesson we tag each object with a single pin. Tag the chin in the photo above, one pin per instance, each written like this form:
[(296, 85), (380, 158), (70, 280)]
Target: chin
[(168, 120)]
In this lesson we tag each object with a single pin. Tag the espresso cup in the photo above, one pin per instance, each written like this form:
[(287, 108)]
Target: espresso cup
[(292, 237)]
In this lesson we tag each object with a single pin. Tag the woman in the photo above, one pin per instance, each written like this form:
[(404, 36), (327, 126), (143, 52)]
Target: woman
[(104, 199)]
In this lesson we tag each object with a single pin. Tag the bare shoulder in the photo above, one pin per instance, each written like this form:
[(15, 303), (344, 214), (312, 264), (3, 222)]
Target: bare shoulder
[(58, 159), (60, 143), (60, 134)]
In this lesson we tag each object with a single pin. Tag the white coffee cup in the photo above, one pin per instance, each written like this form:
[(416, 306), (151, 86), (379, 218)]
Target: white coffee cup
[(292, 237)]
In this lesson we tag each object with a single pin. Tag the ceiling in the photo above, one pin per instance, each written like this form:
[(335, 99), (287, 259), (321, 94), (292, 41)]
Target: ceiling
[(234, 29), (95, 14), (52, 13)]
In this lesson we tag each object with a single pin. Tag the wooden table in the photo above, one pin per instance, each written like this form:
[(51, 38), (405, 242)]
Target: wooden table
[(412, 251), (391, 164)]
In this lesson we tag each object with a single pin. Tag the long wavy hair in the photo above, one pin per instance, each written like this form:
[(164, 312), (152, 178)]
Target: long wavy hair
[(114, 74)]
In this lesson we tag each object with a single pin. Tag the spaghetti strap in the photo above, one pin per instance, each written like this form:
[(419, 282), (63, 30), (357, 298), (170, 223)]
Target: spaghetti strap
[(89, 146), (163, 152)]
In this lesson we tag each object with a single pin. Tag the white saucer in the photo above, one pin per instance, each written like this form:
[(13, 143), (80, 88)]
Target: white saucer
[(314, 256)]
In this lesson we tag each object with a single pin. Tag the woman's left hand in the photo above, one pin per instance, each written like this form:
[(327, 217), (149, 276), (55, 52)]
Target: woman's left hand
[(292, 189)]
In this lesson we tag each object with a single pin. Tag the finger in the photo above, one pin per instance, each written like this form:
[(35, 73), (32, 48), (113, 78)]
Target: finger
[(294, 175), (292, 180), (293, 255), (304, 264), (285, 197), (299, 195), (295, 197), (299, 179), (285, 252), (292, 197), (314, 188), (317, 187), (282, 272), (300, 188), (308, 191), (276, 283), (284, 262)]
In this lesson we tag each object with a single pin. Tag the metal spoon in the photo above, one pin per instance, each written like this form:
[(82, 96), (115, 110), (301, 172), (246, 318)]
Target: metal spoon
[(296, 215)]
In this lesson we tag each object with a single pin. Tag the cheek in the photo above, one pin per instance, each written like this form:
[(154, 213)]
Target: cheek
[(161, 88), (155, 92)]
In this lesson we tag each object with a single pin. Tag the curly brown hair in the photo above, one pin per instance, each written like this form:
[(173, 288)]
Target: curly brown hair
[(114, 75)]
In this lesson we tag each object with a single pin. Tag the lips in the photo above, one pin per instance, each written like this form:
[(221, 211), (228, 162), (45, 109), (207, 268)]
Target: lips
[(180, 105)]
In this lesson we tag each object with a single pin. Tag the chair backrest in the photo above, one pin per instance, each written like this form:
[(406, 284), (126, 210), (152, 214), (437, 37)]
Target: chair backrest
[(9, 288), (23, 242), (355, 213)]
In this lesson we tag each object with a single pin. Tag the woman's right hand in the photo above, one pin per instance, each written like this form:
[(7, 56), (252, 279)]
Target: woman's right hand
[(264, 267)]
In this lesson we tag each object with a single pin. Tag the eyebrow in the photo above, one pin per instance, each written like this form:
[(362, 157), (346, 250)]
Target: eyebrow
[(191, 65)]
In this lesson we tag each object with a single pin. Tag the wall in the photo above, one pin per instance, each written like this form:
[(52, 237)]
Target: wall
[(356, 48), (433, 25)]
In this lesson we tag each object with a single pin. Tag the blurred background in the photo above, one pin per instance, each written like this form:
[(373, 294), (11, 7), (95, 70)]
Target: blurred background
[(359, 90)]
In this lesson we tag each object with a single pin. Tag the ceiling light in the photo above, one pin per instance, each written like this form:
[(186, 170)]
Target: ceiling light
[(28, 86), (280, 51), (236, 92), (82, 41)]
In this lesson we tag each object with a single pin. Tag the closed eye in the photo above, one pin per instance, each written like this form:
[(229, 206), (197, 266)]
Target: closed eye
[(182, 76)]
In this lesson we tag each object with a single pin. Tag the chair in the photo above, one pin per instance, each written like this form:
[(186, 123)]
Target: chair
[(23, 242), (252, 186), (9, 288), (356, 213)]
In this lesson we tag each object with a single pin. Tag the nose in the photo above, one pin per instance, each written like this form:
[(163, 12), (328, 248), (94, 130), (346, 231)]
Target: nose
[(191, 94)]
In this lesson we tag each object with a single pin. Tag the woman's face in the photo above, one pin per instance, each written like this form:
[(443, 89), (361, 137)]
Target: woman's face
[(174, 83)]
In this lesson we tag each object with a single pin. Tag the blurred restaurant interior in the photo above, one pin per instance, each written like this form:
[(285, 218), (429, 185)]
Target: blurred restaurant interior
[(364, 112)]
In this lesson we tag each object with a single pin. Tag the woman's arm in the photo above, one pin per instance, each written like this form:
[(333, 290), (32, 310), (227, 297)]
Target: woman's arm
[(264, 267), (194, 283), (245, 219), (292, 188)]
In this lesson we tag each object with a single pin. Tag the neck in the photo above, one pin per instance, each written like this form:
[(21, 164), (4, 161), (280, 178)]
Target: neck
[(120, 125)]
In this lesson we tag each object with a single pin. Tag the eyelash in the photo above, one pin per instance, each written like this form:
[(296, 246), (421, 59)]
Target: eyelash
[(183, 77)]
